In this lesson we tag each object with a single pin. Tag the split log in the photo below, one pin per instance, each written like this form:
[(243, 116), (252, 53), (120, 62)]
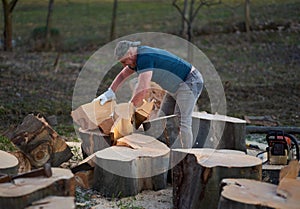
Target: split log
[(92, 115), (123, 117), (8, 163), (84, 172), (24, 163), (143, 112), (218, 131), (137, 163), (93, 141), (40, 143), (251, 194), (197, 174), (23, 191), (53, 202)]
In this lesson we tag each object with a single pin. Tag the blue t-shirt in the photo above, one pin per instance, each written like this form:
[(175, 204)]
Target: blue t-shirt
[(168, 69)]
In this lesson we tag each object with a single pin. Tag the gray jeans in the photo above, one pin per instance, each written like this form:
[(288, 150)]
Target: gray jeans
[(182, 104)]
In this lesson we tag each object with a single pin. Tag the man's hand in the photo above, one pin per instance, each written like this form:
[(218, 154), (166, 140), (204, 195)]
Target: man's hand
[(106, 96)]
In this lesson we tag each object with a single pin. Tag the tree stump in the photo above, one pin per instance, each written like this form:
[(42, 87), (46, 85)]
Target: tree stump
[(8, 163), (23, 191), (40, 143), (218, 131), (251, 194), (53, 202), (197, 174), (165, 129), (137, 163), (93, 141), (93, 115)]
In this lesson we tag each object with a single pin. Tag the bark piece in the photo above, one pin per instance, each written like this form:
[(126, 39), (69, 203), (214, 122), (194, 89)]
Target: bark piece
[(8, 163), (92, 115), (24, 191), (252, 194), (53, 202), (126, 170), (123, 121), (93, 141), (40, 143), (197, 174), (218, 131)]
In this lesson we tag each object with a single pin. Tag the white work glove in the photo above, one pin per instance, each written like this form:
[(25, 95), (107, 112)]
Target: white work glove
[(106, 96)]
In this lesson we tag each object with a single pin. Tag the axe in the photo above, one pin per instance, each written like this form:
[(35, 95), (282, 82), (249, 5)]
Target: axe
[(44, 171)]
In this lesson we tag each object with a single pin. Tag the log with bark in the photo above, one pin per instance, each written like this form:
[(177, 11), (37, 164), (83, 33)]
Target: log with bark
[(23, 191), (137, 163), (93, 141), (8, 163), (252, 194), (197, 174), (93, 115), (218, 131), (24, 163), (40, 143)]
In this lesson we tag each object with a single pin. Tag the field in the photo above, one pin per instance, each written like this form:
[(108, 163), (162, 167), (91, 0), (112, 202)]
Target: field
[(260, 71)]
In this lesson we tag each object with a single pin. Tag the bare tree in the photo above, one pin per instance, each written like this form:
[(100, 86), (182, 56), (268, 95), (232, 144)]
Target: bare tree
[(247, 16), (113, 20), (189, 11), (8, 8), (48, 24)]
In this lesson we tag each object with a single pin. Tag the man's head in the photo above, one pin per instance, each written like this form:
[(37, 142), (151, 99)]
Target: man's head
[(123, 47)]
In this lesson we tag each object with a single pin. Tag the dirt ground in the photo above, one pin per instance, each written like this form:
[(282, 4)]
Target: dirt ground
[(30, 82)]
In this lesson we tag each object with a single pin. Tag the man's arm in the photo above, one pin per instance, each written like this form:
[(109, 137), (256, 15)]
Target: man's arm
[(142, 88), (121, 78)]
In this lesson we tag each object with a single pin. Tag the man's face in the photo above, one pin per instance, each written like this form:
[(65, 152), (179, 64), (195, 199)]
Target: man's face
[(128, 60)]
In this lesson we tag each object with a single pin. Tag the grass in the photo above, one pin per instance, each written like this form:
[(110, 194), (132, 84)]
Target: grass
[(255, 65)]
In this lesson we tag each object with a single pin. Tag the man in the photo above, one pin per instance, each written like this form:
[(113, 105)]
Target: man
[(179, 78)]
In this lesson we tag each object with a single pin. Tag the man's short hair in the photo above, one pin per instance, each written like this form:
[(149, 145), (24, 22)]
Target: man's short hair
[(123, 46)]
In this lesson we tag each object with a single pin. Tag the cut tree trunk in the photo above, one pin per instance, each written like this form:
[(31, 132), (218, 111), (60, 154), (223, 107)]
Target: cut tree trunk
[(23, 191), (218, 131), (251, 194), (197, 174), (8, 163), (40, 143), (92, 116), (137, 163), (53, 202), (93, 141)]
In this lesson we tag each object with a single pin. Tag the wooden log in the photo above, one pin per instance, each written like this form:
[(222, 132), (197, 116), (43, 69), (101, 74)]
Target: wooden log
[(123, 116), (262, 120), (53, 202), (197, 174), (8, 163), (218, 131), (252, 194), (93, 141), (24, 163), (138, 163), (165, 129), (142, 113), (23, 191), (92, 115), (40, 143)]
